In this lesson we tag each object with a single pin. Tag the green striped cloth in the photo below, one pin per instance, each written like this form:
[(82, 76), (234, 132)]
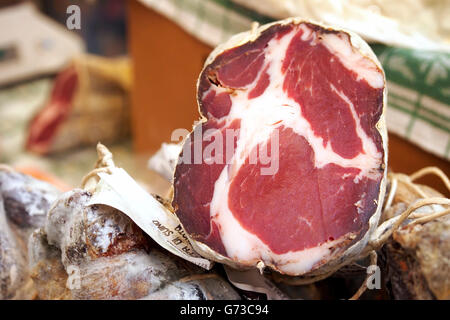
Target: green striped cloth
[(418, 81)]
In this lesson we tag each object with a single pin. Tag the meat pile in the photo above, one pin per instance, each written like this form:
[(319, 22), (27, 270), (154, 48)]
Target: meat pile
[(55, 246)]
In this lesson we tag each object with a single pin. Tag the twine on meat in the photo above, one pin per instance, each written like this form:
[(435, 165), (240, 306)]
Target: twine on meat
[(104, 164), (397, 179)]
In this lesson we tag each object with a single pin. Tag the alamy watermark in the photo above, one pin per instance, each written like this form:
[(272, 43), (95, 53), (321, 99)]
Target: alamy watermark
[(373, 280), (214, 146), (73, 20), (73, 277)]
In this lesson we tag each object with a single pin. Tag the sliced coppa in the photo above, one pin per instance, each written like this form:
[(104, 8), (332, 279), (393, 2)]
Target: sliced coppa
[(314, 98)]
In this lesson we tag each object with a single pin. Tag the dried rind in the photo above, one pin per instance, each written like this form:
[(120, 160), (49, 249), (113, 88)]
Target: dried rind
[(97, 252), (13, 269), (24, 202), (417, 254)]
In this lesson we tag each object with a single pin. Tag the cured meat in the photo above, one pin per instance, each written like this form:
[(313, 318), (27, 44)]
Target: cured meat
[(88, 103), (46, 269), (45, 125), (208, 288), (84, 233), (418, 268), (96, 252), (24, 202), (12, 260), (417, 256), (27, 200), (103, 251), (287, 167)]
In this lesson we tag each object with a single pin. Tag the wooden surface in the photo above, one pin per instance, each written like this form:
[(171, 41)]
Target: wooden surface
[(167, 62), (406, 158)]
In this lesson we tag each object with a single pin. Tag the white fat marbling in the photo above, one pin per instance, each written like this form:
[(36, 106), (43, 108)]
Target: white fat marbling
[(353, 60)]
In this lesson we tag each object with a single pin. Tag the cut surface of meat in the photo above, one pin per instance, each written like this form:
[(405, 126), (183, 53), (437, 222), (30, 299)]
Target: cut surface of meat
[(286, 167)]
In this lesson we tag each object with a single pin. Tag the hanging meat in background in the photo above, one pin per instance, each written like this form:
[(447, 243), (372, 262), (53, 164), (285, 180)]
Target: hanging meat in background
[(314, 97), (88, 103)]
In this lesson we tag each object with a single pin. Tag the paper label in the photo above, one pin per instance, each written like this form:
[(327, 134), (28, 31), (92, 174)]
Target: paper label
[(120, 191)]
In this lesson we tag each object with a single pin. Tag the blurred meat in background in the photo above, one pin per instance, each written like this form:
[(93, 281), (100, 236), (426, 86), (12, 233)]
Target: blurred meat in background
[(62, 89), (88, 103)]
